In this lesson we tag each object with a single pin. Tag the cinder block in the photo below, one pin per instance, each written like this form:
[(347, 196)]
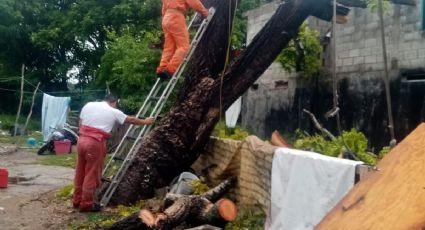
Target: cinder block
[(358, 60), (347, 61), (370, 59), (354, 53)]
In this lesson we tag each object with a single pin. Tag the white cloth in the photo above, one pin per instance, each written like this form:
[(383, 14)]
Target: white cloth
[(101, 116), (53, 113), (305, 187), (232, 113)]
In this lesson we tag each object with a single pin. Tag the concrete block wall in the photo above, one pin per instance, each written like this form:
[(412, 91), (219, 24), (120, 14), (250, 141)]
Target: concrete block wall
[(359, 46)]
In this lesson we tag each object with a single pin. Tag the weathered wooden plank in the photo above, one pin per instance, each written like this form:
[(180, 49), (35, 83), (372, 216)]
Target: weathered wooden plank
[(391, 198)]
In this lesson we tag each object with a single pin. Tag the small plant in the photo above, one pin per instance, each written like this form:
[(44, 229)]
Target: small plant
[(65, 193), (124, 211), (222, 131), (249, 218), (199, 186), (384, 151)]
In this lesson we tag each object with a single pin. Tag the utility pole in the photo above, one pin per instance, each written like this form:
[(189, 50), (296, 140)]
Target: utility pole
[(393, 141)]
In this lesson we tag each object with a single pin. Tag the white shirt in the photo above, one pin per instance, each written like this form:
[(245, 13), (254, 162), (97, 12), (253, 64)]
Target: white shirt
[(101, 116)]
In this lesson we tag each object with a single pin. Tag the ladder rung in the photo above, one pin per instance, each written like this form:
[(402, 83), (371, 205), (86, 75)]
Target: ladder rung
[(131, 137), (106, 179), (155, 98), (119, 158)]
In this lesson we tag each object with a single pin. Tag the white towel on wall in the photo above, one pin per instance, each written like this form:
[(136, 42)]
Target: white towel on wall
[(305, 187)]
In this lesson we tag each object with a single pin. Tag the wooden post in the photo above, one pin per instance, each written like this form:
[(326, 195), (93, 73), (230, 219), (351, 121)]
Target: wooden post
[(32, 105), (20, 100)]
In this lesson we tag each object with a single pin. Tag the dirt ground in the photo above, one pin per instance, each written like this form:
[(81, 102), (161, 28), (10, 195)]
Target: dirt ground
[(29, 201)]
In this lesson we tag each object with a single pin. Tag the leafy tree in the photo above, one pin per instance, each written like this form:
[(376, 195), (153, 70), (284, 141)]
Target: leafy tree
[(128, 66), (303, 52)]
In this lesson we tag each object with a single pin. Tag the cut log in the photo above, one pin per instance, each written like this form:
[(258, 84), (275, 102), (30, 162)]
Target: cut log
[(191, 209)]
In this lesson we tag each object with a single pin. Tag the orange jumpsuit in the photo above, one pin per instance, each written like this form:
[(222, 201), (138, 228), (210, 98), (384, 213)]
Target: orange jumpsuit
[(176, 43)]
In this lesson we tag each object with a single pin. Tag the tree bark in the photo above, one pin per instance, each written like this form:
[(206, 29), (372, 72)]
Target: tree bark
[(176, 142), (207, 208)]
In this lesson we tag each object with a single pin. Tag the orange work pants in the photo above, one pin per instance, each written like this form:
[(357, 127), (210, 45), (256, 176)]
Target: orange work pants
[(88, 173), (176, 43)]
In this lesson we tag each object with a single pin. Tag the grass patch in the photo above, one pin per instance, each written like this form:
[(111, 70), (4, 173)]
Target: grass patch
[(105, 219), (7, 121), (6, 138), (68, 160), (94, 221), (249, 218), (65, 193)]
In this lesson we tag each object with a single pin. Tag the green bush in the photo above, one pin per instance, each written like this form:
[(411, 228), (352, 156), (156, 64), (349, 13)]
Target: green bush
[(249, 218), (353, 140), (222, 131)]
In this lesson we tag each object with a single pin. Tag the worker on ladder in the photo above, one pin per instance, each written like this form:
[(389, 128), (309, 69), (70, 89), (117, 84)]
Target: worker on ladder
[(176, 36), (96, 122)]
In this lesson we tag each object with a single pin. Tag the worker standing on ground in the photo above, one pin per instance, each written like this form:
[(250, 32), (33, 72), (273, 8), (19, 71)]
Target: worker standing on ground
[(96, 122), (176, 36)]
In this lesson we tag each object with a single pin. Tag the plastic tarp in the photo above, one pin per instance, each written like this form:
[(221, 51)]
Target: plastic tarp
[(53, 113), (232, 113), (305, 186)]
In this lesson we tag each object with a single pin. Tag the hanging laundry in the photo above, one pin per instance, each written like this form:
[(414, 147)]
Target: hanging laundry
[(53, 113)]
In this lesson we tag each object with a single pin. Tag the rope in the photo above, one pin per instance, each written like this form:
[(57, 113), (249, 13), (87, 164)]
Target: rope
[(226, 62)]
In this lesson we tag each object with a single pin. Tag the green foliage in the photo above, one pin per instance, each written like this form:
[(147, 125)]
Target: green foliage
[(68, 160), (353, 139), (318, 144), (128, 66), (107, 218), (303, 52), (94, 221), (125, 211), (222, 131), (384, 151), (200, 186), (249, 218), (374, 5), (65, 193), (8, 120)]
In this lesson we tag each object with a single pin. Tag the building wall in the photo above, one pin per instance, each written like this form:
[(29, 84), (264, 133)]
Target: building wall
[(277, 99), (272, 90), (359, 46)]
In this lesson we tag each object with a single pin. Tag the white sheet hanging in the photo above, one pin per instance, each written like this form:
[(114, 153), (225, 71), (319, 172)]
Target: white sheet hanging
[(305, 187), (53, 113), (232, 113)]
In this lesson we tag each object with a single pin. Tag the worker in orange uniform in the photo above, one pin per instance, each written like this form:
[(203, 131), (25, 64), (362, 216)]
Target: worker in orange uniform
[(176, 36), (96, 122)]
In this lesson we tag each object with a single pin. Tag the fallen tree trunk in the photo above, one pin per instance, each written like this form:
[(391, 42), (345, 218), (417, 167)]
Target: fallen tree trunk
[(195, 210), (176, 142)]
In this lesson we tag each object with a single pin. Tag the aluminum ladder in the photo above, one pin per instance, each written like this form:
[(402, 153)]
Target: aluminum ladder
[(127, 148)]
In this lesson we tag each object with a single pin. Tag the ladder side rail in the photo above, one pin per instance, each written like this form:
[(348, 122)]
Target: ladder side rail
[(120, 145), (122, 170), (192, 21)]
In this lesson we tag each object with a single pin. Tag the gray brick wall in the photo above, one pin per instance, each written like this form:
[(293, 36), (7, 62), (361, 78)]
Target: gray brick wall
[(358, 42)]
